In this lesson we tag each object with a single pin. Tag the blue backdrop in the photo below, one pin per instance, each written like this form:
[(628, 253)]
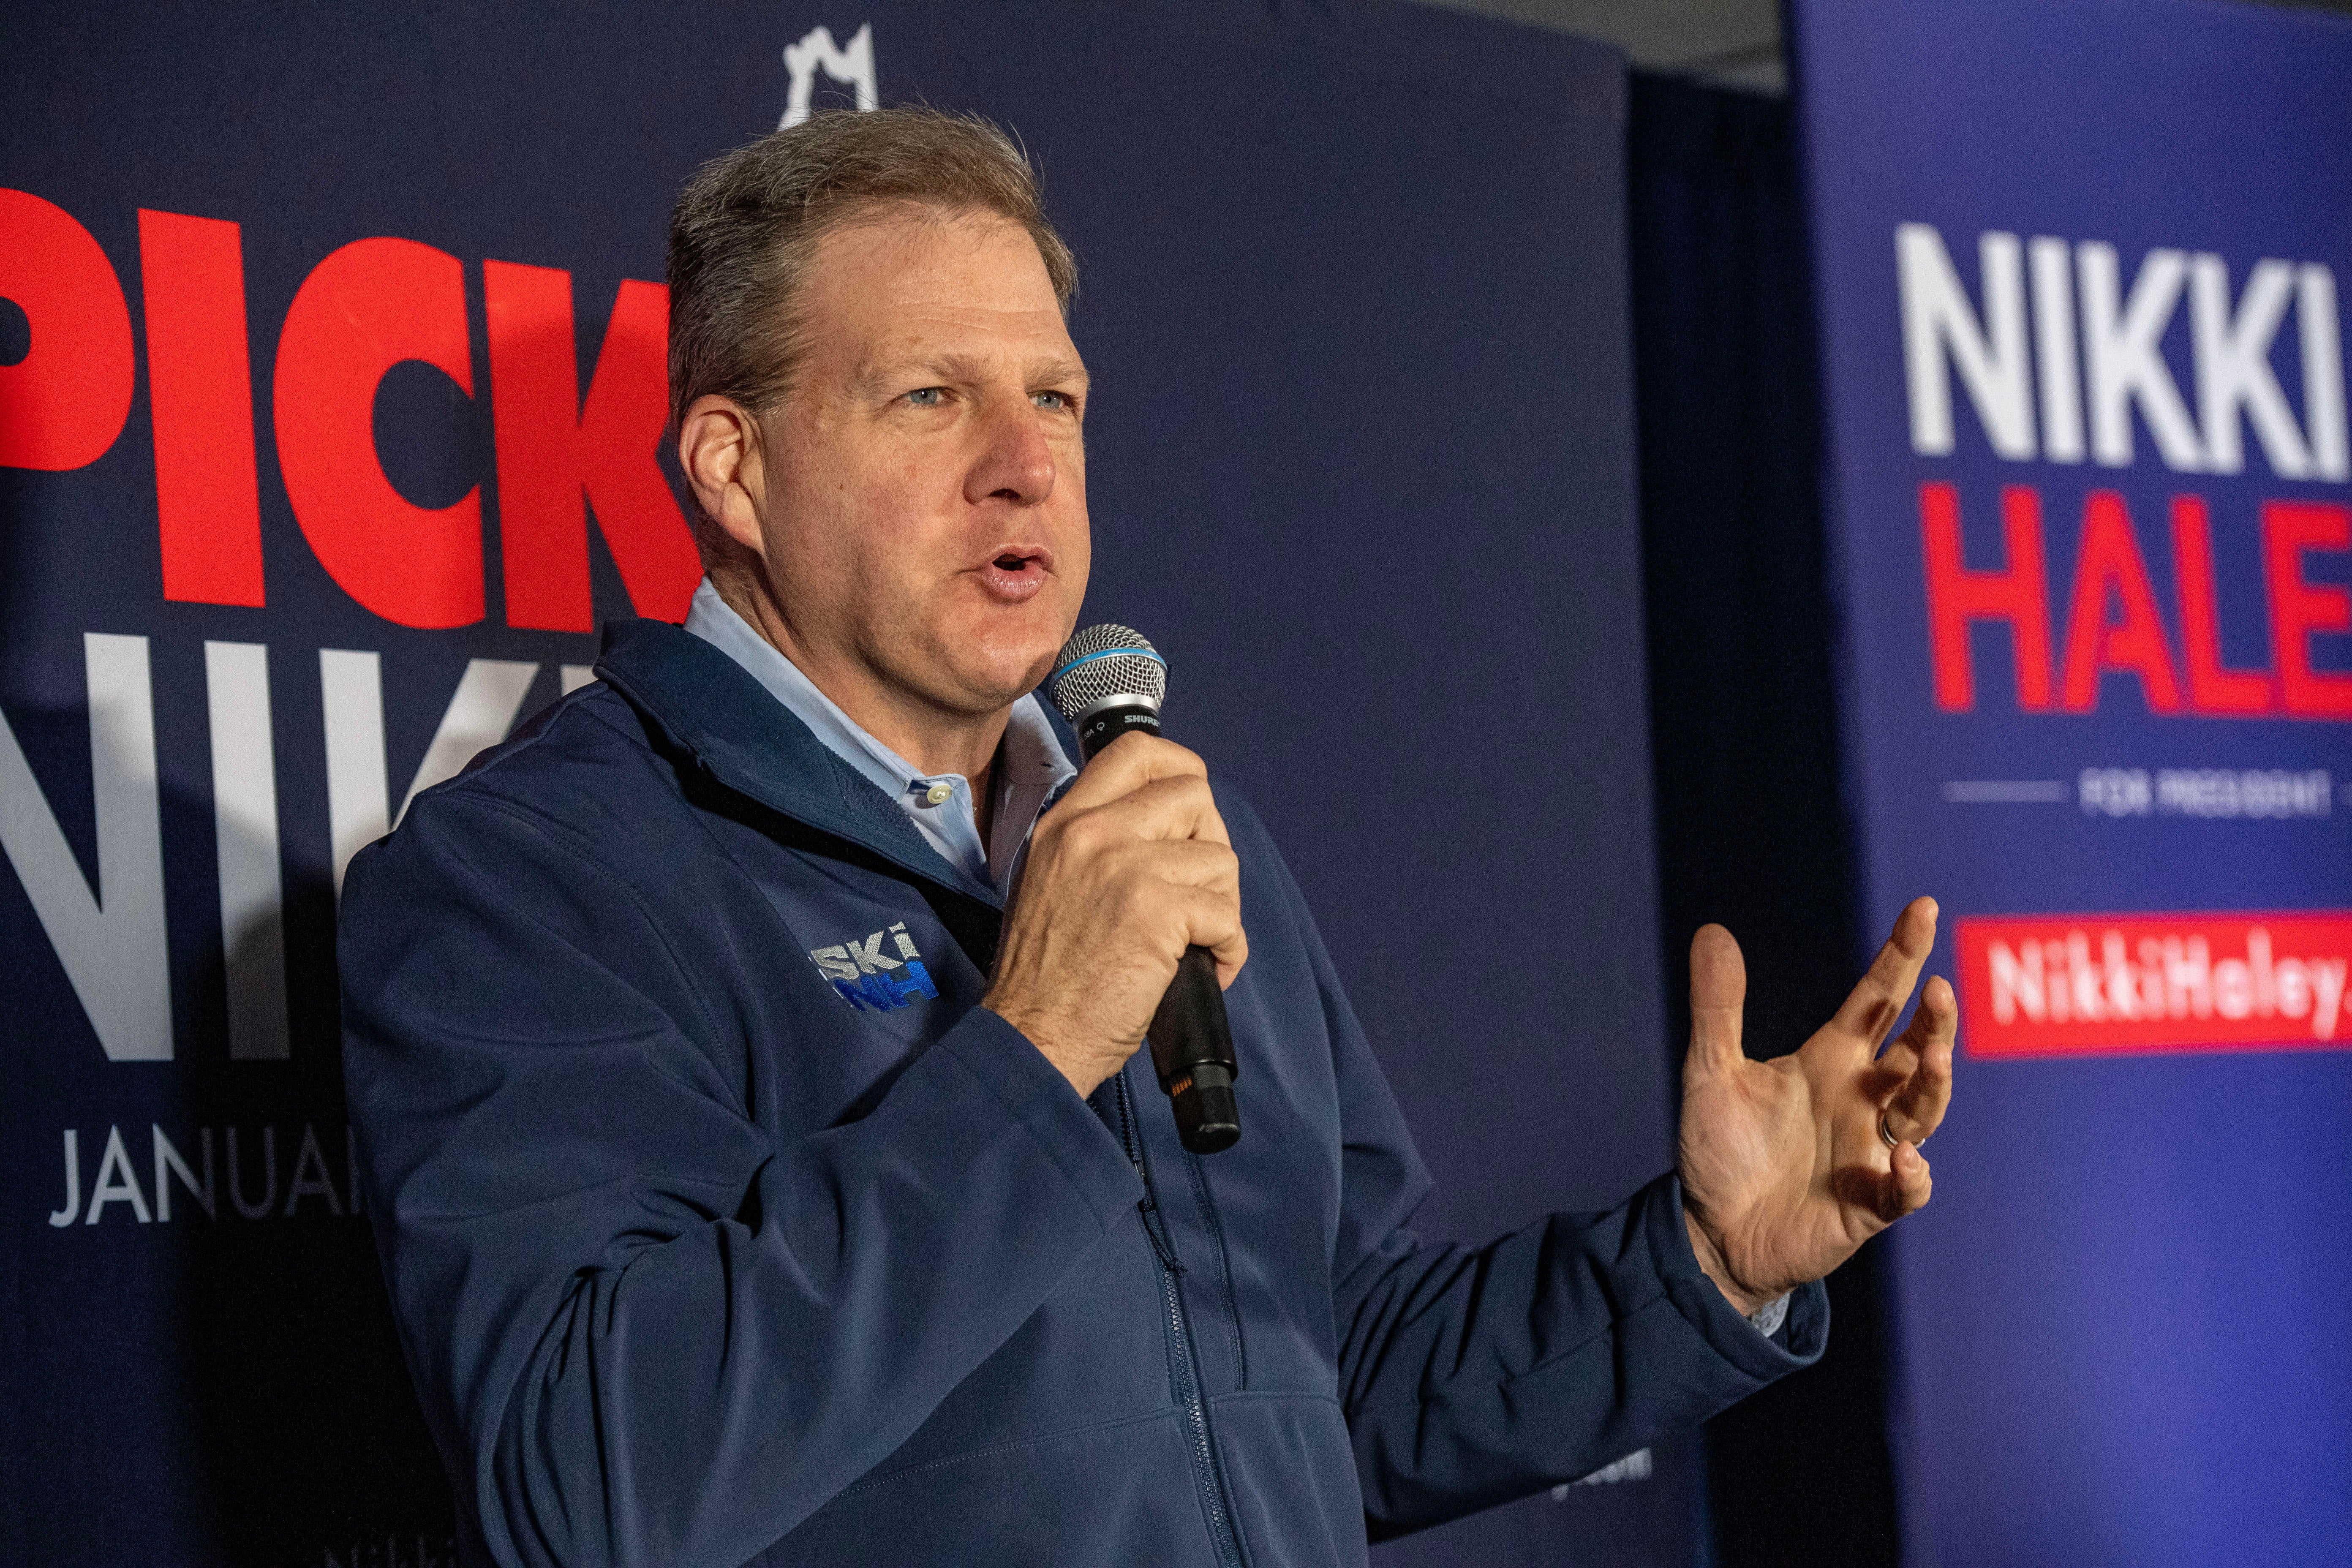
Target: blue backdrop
[(2079, 273), (298, 306)]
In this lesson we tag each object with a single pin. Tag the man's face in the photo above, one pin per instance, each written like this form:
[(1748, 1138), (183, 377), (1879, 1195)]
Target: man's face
[(924, 514)]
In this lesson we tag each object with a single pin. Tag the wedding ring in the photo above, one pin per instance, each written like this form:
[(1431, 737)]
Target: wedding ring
[(1884, 1136)]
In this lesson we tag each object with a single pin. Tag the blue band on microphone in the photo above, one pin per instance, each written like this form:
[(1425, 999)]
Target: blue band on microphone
[(1112, 653)]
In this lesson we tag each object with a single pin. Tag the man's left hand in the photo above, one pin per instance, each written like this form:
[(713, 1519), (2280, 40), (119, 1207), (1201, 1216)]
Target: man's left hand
[(1785, 1170)]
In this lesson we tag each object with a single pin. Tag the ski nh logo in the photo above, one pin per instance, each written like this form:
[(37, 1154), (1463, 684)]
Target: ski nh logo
[(869, 977)]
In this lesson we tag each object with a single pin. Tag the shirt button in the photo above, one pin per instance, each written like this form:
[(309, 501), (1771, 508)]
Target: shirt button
[(938, 795)]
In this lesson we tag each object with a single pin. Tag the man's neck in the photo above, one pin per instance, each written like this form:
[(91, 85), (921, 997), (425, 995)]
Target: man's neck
[(934, 742)]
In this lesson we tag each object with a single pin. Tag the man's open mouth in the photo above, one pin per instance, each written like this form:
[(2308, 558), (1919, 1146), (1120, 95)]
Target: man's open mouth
[(1017, 572)]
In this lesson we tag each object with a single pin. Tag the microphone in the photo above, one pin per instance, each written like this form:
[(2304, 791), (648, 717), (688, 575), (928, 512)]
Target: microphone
[(1107, 681)]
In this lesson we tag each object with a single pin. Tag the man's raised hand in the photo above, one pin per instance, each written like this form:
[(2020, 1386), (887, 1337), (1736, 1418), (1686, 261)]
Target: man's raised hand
[(1129, 869), (1784, 1170)]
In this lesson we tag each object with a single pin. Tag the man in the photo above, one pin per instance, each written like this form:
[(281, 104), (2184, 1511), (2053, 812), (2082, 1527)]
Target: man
[(756, 1184)]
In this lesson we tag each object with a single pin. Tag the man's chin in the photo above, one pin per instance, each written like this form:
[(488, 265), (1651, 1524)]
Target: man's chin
[(1000, 687), (1003, 657), (960, 682)]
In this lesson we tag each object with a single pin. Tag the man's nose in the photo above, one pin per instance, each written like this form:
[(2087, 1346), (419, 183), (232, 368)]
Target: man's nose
[(1014, 462)]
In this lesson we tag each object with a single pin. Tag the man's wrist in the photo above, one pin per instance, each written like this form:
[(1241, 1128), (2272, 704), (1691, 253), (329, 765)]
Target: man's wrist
[(1747, 1303), (1084, 1070)]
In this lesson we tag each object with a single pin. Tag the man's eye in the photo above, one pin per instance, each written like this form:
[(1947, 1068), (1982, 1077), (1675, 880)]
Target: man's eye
[(1055, 401), (927, 397)]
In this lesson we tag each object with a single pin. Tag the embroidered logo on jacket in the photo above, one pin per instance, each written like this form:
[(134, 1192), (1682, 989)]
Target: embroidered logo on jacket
[(866, 976)]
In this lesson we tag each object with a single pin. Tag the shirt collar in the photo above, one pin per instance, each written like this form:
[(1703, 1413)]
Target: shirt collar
[(1031, 770), (1031, 762)]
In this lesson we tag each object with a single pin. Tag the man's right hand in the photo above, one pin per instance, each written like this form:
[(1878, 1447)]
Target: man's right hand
[(1131, 866)]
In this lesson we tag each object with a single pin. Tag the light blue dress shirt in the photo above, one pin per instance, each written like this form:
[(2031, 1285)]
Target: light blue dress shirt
[(1030, 765)]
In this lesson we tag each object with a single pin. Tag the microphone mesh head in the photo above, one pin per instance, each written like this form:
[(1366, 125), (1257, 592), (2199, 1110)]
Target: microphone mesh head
[(1106, 662)]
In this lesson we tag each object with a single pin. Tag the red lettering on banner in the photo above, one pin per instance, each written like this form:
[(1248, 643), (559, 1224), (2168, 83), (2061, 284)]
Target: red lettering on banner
[(366, 308), (2299, 608), (2109, 565), (2212, 689), (63, 404), (2113, 984), (553, 452), (200, 394), (1955, 595), (2108, 556)]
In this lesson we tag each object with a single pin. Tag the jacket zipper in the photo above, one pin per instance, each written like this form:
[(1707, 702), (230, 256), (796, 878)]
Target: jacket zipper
[(1224, 1267), (1222, 1537)]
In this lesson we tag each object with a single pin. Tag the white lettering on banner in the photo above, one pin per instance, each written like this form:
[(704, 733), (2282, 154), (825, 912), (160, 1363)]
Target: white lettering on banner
[(310, 1177), (169, 1163), (116, 1182), (2054, 351), (2062, 982), (350, 699), (2234, 365), (852, 67), (268, 1175), (72, 1210), (480, 714), (2123, 357), (113, 941), (1941, 329), (2274, 793), (2094, 341), (2114, 791), (110, 940), (245, 840), (2323, 370)]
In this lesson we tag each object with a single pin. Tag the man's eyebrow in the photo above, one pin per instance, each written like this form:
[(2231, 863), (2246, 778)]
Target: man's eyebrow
[(891, 374), (1067, 371)]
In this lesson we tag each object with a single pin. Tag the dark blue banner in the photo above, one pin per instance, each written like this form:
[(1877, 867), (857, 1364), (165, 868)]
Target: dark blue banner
[(330, 397), (2082, 274)]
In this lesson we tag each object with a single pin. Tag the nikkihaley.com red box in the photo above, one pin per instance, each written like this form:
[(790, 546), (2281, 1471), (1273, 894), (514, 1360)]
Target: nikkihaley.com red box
[(2047, 985)]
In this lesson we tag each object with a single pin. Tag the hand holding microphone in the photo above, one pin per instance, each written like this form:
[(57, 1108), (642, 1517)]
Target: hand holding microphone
[(1127, 920)]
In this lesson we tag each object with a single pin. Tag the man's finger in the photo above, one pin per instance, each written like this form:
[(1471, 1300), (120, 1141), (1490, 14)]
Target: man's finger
[(1213, 923), (1128, 764), (1179, 806), (1909, 1183), (1871, 1009), (1196, 863), (1919, 1104), (1718, 989)]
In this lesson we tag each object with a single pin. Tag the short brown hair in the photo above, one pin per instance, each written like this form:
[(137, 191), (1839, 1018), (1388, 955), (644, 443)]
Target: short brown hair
[(747, 223)]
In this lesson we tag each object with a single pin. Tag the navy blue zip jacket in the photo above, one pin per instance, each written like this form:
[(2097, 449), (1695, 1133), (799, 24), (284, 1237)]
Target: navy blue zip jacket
[(723, 1226)]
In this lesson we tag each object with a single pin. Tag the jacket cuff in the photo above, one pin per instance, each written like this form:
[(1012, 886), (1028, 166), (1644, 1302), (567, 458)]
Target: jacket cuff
[(1009, 1069), (1703, 1306)]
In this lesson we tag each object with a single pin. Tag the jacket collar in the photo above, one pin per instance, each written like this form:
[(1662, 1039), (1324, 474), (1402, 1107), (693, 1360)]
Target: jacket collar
[(706, 704)]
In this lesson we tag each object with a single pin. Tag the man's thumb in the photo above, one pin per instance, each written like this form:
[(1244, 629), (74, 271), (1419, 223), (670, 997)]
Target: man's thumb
[(1718, 987)]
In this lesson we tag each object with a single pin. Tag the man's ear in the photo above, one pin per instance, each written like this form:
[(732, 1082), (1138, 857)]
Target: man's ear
[(718, 447)]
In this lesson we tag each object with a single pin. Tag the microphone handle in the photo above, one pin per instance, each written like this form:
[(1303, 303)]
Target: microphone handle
[(1192, 1050), (1192, 1040)]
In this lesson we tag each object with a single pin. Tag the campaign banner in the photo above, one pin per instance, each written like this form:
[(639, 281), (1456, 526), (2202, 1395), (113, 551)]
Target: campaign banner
[(2081, 272), (331, 395)]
